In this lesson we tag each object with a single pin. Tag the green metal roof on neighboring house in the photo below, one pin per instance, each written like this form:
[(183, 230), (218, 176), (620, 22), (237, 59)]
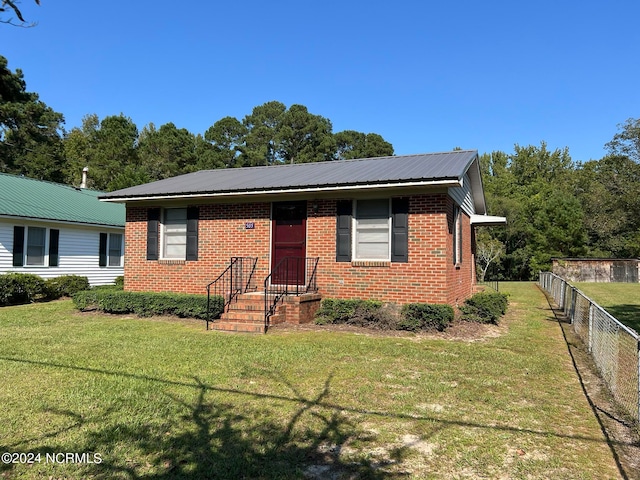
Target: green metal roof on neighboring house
[(36, 199)]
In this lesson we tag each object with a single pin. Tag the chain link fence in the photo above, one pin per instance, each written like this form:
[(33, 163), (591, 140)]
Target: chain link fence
[(615, 348)]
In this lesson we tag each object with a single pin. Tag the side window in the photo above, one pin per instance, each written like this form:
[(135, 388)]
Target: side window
[(110, 250), (115, 250), (36, 242), (457, 235)]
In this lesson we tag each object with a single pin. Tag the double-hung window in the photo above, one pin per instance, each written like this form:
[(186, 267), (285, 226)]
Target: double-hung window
[(36, 242), (115, 250), (174, 233), (35, 246), (372, 230), (110, 250)]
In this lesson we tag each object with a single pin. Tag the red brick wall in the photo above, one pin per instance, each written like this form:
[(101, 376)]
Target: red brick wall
[(429, 276), (221, 235)]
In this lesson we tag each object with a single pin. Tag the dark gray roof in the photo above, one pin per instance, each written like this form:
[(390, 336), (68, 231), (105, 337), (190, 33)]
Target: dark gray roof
[(342, 173)]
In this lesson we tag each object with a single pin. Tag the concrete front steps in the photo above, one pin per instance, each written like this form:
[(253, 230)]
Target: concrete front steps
[(246, 314)]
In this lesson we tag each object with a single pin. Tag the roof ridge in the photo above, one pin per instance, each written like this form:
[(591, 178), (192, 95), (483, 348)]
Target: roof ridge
[(50, 182), (348, 160)]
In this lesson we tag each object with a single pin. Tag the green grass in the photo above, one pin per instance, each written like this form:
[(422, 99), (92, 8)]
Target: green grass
[(166, 399), (622, 300)]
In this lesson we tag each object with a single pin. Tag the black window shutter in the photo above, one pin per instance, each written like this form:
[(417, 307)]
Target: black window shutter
[(343, 230), (193, 214), (400, 230), (153, 233), (18, 246), (103, 250), (54, 241)]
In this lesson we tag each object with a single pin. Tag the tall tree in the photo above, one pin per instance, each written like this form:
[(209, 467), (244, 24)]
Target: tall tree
[(533, 188), (30, 131), (263, 124), (627, 141), (609, 190), (107, 147), (227, 136), (303, 137), (352, 144), (167, 151)]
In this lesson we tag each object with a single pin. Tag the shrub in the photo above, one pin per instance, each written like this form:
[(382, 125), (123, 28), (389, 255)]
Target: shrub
[(66, 285), (425, 316), (375, 314), (120, 282), (145, 304), (363, 313), (19, 288), (484, 307)]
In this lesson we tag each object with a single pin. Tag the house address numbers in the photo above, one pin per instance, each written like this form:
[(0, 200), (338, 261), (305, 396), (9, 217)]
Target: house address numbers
[(249, 225)]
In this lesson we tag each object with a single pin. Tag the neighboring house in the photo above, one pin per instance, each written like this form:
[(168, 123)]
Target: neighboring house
[(397, 229), (50, 230)]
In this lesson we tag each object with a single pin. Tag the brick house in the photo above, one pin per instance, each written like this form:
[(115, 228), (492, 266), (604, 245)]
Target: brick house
[(397, 229)]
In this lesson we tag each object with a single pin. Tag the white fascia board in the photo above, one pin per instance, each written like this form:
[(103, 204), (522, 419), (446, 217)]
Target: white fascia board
[(487, 220), (434, 183)]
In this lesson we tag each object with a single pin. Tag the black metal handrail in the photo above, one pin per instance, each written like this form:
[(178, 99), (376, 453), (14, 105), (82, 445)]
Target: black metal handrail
[(291, 276), (236, 279)]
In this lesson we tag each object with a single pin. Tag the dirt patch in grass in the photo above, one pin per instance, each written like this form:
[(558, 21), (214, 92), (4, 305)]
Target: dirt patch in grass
[(462, 331)]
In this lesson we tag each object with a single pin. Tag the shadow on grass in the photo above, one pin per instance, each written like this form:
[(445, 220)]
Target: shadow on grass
[(238, 440), (627, 314)]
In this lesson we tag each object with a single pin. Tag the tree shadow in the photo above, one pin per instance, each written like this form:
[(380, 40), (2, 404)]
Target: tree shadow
[(220, 440), (627, 314), (242, 439)]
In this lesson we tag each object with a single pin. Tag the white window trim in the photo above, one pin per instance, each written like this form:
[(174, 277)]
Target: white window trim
[(45, 258), (354, 236), (457, 236), (120, 263), (162, 255)]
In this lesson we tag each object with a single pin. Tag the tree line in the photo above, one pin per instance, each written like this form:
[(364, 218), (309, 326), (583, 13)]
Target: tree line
[(554, 206), (33, 142)]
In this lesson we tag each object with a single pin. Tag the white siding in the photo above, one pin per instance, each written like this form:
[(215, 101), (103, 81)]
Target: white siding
[(462, 196), (78, 252)]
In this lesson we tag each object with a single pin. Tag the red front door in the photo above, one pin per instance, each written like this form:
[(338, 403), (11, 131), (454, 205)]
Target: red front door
[(289, 240)]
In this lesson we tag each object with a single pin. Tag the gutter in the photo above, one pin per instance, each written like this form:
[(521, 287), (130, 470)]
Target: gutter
[(438, 183)]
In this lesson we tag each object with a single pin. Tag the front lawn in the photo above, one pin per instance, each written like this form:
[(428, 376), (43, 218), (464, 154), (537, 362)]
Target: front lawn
[(163, 398)]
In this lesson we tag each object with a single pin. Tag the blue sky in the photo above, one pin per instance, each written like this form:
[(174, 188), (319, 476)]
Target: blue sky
[(427, 76)]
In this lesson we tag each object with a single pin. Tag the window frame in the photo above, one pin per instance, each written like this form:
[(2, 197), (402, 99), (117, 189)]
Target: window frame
[(163, 234), (121, 250), (457, 236), (389, 228), (45, 247)]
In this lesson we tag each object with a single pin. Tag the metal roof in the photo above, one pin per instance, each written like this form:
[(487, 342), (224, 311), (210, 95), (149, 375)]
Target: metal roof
[(36, 199), (406, 169)]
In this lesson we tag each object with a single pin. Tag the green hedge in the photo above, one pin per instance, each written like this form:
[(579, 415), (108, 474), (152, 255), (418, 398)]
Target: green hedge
[(484, 307), (66, 285), (146, 304), (20, 288), (375, 314), (425, 316)]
